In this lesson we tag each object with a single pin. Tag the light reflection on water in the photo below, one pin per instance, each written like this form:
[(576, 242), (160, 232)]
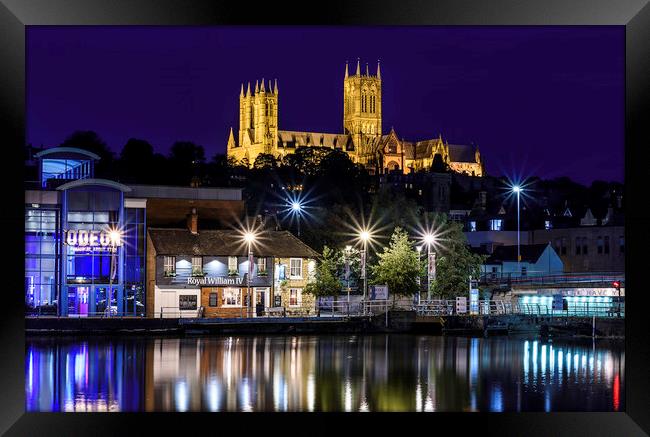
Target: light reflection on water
[(323, 373)]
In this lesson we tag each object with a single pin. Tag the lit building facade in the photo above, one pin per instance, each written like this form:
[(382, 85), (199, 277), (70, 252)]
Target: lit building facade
[(362, 138)]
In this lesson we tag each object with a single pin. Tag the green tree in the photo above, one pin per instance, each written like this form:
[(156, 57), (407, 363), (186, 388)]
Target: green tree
[(397, 266), (325, 281), (454, 263)]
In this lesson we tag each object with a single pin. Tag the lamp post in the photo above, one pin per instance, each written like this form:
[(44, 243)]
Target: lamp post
[(296, 207), (348, 250), (364, 236), (419, 248), (431, 263), (249, 237), (517, 189), (116, 241)]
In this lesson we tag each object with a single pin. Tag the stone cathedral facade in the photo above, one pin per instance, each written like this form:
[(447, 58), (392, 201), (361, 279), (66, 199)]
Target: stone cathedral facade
[(362, 137)]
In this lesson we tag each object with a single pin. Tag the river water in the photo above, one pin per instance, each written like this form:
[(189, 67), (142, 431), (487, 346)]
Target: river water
[(395, 372)]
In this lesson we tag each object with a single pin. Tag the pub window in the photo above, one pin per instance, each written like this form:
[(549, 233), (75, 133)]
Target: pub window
[(212, 300), (295, 268), (231, 297), (197, 265), (578, 247), (295, 297), (621, 244), (187, 302), (261, 265), (232, 265), (170, 266), (599, 245), (607, 244)]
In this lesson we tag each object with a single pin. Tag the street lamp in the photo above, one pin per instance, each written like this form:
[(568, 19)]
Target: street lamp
[(296, 208), (517, 190), (249, 238), (115, 236), (364, 235), (347, 253), (431, 262)]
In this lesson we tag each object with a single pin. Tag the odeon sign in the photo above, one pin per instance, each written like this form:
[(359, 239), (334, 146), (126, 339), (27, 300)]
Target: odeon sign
[(82, 240)]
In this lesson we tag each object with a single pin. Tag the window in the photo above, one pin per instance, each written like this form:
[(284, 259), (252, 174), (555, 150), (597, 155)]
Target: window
[(212, 300), (564, 245), (231, 297), (472, 226), (261, 266), (607, 244), (599, 245), (578, 247), (621, 244), (584, 246), (547, 224), (495, 224), (295, 268), (232, 265), (197, 266), (558, 245), (187, 302), (295, 297), (170, 266)]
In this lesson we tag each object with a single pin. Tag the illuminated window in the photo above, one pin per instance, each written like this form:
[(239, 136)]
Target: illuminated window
[(496, 224), (231, 297), (295, 268), (170, 266), (187, 302), (472, 226), (197, 265), (232, 265), (547, 224), (261, 265), (295, 297)]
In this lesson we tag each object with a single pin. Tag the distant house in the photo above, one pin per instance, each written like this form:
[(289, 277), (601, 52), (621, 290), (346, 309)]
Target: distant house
[(536, 260)]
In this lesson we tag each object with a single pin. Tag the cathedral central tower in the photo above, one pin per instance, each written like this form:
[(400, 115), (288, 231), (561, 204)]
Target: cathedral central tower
[(362, 105)]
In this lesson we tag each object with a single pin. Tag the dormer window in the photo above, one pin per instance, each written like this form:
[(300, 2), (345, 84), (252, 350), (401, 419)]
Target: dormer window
[(472, 226), (496, 224)]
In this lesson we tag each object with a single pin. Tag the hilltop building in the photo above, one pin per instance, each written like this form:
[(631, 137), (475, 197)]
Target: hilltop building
[(362, 137)]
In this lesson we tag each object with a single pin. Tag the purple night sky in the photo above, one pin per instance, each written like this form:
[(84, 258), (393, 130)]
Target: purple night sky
[(546, 101)]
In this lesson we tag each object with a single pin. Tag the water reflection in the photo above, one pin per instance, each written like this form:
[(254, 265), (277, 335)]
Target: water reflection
[(323, 373)]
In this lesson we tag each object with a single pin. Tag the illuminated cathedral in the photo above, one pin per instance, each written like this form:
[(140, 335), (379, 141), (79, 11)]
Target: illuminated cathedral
[(362, 137)]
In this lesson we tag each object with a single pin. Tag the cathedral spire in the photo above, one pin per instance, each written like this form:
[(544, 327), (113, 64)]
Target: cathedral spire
[(262, 88), (346, 69), (378, 70), (367, 71), (257, 87), (270, 87), (358, 67), (275, 90), (248, 90), (241, 93)]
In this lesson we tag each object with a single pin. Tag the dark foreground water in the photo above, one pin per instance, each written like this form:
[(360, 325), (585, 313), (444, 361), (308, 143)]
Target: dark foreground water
[(323, 373)]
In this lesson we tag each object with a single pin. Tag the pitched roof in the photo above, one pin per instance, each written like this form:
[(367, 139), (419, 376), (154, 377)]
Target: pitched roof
[(227, 243), (461, 153), (287, 138), (529, 253)]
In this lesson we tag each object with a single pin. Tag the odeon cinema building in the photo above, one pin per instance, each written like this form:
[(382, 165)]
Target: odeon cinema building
[(86, 238)]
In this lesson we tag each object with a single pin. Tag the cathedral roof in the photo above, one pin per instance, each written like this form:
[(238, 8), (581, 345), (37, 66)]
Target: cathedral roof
[(288, 138), (462, 153)]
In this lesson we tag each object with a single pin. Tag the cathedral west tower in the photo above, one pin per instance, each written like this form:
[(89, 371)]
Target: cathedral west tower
[(362, 107)]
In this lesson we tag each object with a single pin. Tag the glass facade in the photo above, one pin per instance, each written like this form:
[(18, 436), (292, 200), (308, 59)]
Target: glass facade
[(42, 265)]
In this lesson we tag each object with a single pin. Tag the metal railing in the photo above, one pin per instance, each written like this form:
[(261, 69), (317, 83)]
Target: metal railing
[(539, 278), (503, 307)]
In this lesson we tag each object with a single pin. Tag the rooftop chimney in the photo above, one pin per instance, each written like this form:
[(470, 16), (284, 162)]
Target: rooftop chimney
[(193, 222)]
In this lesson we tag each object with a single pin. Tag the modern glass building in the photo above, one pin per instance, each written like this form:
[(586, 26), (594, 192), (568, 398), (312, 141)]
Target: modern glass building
[(84, 241)]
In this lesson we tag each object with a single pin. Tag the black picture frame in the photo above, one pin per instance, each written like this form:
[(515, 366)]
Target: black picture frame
[(633, 14)]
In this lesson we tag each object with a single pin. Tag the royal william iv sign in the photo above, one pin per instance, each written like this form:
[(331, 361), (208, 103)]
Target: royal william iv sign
[(81, 240)]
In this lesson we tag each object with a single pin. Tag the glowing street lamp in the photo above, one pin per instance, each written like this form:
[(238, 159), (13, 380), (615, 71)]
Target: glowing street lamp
[(249, 238), (296, 208)]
